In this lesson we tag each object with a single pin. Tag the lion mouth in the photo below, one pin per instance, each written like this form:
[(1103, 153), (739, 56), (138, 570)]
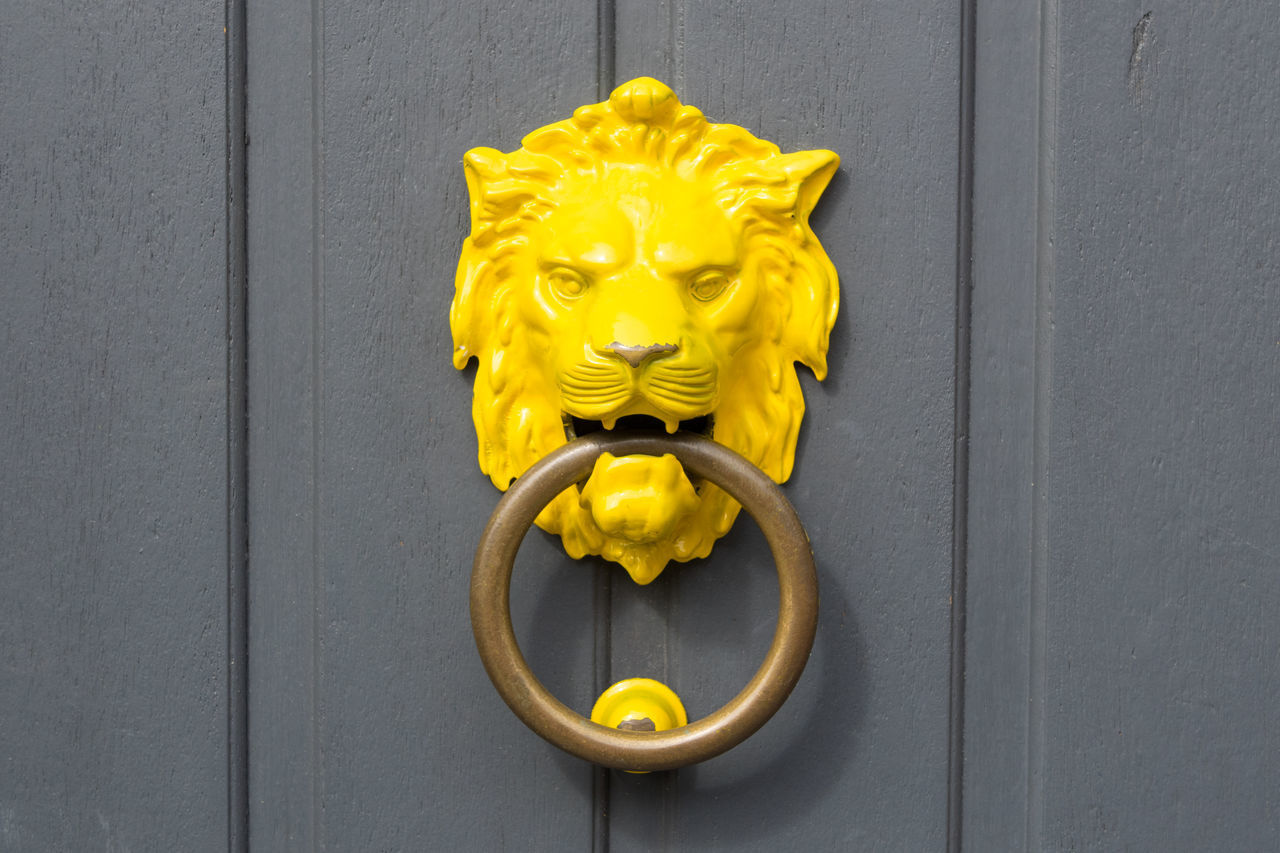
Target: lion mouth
[(578, 427)]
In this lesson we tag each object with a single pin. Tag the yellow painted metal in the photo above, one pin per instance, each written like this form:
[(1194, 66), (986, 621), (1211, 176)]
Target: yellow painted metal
[(639, 265), (632, 701), (639, 705)]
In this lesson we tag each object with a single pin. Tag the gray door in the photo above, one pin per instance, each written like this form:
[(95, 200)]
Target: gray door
[(240, 494)]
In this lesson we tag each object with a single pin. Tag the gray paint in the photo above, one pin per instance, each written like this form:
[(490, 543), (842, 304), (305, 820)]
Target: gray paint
[(858, 756), (1162, 542), (113, 499), (1002, 476), (1122, 673), (1122, 551), (373, 725)]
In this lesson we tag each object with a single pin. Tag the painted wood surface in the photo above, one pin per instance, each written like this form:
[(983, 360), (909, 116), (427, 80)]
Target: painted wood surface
[(1124, 572), (1161, 433), (859, 756), (373, 723), (113, 397), (1102, 424)]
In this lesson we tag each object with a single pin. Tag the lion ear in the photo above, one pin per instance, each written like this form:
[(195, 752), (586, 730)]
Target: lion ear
[(814, 297), (468, 318), (483, 167), (814, 294), (809, 172)]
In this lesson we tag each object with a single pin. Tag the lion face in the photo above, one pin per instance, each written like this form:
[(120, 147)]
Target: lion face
[(669, 281), (640, 298)]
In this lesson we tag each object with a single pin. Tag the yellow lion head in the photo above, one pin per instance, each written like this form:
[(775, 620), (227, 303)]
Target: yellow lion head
[(637, 265)]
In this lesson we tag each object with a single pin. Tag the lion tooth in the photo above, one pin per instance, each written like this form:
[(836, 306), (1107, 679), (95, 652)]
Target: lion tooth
[(610, 423), (672, 426)]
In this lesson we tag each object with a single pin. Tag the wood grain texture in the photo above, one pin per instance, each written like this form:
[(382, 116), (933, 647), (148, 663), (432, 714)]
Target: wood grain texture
[(1161, 655), (374, 725), (282, 623), (1126, 391), (858, 756), (1002, 475), (1122, 668), (113, 504)]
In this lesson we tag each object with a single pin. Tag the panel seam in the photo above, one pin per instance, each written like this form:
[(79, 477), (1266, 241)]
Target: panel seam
[(317, 416), (237, 424), (961, 427), (1037, 628), (602, 593)]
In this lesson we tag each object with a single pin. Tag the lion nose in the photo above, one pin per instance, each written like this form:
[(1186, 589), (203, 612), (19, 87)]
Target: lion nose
[(636, 356)]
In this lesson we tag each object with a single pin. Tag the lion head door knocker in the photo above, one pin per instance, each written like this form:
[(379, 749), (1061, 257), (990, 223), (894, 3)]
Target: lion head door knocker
[(637, 288)]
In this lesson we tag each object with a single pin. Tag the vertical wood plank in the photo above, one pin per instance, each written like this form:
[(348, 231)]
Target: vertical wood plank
[(375, 726), (1163, 664), (113, 501), (283, 712), (648, 41), (858, 756), (1006, 302), (1126, 387), (237, 429), (640, 808)]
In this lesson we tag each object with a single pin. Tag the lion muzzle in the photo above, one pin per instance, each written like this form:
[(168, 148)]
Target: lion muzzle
[(639, 499)]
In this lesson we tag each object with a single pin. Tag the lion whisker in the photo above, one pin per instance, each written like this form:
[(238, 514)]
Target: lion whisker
[(683, 381), (696, 380), (601, 391), (595, 402), (678, 388), (683, 390), (579, 374), (682, 401), (594, 386), (591, 366), (683, 369), (598, 396), (668, 401)]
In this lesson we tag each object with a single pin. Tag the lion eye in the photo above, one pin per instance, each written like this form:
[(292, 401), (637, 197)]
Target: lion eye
[(708, 285), (568, 283)]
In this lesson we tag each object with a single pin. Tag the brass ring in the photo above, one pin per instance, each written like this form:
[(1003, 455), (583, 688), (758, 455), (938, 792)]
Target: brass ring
[(700, 740)]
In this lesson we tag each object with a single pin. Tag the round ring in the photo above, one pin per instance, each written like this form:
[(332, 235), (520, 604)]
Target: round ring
[(700, 740)]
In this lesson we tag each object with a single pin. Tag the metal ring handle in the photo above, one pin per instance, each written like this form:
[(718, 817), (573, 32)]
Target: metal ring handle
[(709, 736)]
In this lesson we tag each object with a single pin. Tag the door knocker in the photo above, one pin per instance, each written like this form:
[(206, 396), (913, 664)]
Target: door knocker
[(637, 287)]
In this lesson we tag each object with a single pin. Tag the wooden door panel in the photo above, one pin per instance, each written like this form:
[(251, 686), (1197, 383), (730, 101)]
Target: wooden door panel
[(1124, 568), (114, 497), (374, 726), (859, 754), (371, 501), (1053, 226), (1163, 535)]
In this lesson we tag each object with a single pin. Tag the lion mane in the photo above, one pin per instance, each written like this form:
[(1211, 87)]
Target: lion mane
[(768, 196)]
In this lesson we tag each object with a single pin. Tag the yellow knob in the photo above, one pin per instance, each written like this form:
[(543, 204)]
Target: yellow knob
[(639, 705)]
